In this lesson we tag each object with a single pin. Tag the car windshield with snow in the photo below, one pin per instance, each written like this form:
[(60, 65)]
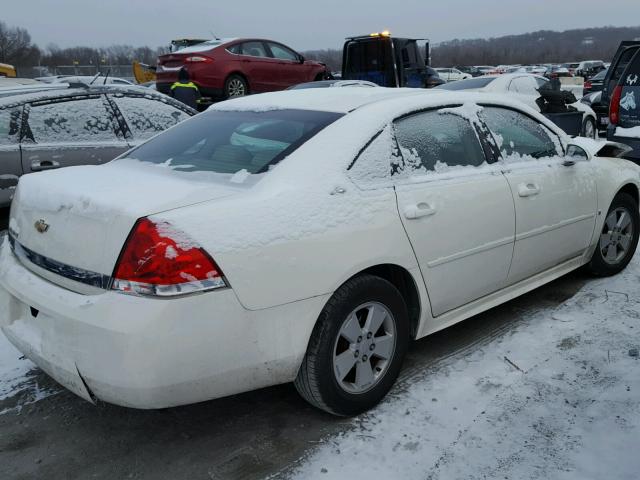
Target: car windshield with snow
[(386, 215), (230, 142)]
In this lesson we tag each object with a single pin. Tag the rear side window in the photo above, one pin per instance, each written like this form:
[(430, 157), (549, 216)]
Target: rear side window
[(519, 135), (254, 49), (9, 127), (620, 67), (78, 120), (433, 141), (229, 142), (147, 117), (630, 97)]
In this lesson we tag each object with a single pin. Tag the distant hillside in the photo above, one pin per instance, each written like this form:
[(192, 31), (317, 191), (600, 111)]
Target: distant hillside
[(544, 46)]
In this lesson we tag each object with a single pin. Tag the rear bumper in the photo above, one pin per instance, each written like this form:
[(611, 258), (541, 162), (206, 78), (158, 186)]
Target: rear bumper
[(151, 353)]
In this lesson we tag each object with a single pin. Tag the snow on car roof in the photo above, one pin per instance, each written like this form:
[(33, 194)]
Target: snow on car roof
[(337, 100), (204, 46), (54, 92)]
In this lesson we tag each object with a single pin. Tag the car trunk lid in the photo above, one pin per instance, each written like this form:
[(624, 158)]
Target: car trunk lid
[(75, 221)]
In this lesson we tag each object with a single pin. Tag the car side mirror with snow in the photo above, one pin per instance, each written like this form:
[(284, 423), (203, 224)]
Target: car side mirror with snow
[(576, 153)]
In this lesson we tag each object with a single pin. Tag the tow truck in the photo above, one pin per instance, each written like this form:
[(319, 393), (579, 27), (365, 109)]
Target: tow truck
[(388, 61)]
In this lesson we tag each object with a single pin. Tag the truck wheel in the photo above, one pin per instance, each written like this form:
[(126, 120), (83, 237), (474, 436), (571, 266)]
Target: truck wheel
[(356, 348), (589, 128), (235, 86), (618, 238)]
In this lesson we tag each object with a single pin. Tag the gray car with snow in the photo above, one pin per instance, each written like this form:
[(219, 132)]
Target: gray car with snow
[(77, 126)]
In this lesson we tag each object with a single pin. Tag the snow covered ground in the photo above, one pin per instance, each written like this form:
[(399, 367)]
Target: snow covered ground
[(555, 394), (17, 379), (557, 397)]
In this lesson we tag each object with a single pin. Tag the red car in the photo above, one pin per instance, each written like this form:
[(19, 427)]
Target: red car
[(226, 68)]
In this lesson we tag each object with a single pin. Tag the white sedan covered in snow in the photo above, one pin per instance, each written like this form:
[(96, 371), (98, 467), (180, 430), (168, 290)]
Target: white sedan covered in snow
[(301, 236), (523, 87)]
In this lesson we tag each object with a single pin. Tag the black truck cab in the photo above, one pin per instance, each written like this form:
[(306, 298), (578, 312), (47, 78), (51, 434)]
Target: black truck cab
[(388, 61)]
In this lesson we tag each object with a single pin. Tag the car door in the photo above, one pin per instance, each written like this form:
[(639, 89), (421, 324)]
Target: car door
[(260, 69), (145, 117), (555, 197), (291, 70), (10, 165), (68, 131), (457, 211)]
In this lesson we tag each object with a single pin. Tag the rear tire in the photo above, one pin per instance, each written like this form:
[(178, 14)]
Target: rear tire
[(589, 128), (619, 237), (357, 347), (235, 86)]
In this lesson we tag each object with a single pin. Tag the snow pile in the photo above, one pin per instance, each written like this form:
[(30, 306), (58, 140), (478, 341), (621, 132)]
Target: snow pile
[(557, 397), (633, 132), (16, 378)]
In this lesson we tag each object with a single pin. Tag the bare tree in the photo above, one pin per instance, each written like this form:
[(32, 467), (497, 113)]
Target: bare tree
[(16, 47)]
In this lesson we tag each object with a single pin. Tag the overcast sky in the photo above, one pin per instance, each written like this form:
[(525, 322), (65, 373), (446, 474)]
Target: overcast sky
[(302, 24)]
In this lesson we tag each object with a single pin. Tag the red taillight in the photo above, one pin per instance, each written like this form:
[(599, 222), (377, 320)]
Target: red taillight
[(588, 85), (198, 59), (160, 260), (614, 106)]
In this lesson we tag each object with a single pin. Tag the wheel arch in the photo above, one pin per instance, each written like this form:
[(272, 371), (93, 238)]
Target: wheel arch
[(632, 190), (406, 284), (239, 73)]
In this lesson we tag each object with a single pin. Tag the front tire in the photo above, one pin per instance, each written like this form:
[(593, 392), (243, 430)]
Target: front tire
[(356, 348), (619, 237)]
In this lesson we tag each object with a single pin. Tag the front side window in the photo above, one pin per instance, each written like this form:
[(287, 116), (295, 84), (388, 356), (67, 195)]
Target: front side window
[(9, 127), (147, 117), (254, 49), (228, 142), (436, 140), (77, 120), (518, 134), (282, 53)]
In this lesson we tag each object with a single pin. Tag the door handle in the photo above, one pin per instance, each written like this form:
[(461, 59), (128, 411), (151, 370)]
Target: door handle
[(44, 165), (528, 189), (422, 209)]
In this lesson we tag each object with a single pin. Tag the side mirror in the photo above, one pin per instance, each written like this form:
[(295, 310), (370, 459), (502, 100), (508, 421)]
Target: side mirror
[(301, 58), (576, 154)]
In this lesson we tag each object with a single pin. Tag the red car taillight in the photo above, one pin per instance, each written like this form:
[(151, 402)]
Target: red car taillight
[(198, 59), (159, 260), (614, 106), (587, 85)]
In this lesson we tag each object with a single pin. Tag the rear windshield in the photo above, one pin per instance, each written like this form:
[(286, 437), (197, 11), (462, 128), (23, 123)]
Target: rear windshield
[(230, 142), (470, 83), (370, 60), (623, 61)]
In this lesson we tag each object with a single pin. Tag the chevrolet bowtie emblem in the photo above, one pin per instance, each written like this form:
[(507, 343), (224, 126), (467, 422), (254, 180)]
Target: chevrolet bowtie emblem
[(41, 226)]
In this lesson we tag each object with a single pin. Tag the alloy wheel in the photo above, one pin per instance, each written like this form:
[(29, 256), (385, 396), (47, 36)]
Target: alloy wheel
[(364, 347), (236, 88), (617, 236)]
